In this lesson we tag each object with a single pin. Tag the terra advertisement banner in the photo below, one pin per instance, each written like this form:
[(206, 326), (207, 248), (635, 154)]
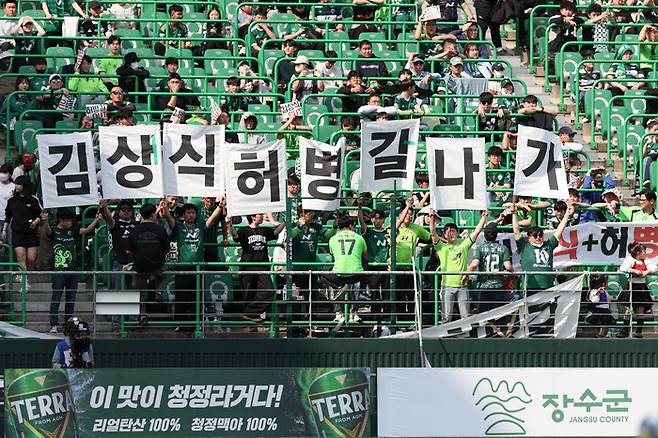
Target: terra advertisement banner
[(533, 402), (174, 402)]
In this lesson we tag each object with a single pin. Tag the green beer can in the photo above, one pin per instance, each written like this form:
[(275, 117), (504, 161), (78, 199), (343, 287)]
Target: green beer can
[(336, 401), (39, 404)]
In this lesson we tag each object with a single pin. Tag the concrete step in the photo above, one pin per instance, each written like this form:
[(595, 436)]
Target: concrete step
[(34, 295)]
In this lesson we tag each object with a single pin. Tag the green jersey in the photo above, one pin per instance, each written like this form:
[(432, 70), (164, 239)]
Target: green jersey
[(403, 104), (212, 234), (537, 258), (189, 241), (453, 258), (406, 241), (305, 243), (347, 247), (377, 243), (492, 257), (64, 248)]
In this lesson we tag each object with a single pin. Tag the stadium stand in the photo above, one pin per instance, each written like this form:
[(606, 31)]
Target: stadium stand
[(586, 71)]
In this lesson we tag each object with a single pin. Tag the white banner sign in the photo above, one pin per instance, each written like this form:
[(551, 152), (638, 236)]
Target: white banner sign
[(322, 166), (255, 178), (68, 169), (539, 165), (593, 243), (524, 318), (192, 160), (457, 173), (533, 402), (131, 161), (388, 155)]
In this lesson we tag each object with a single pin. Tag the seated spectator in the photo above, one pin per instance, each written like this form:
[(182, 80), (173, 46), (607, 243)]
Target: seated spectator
[(94, 26), (54, 9), (10, 8), (132, 77), (608, 209), (123, 117), (17, 103), (306, 87), (125, 11), (171, 65), (559, 211), (354, 92), (622, 15), (566, 135), (533, 114), (573, 166), (489, 117), (421, 77), (249, 122), (576, 201), (647, 210), (373, 109), (370, 67), (587, 76), (624, 70), (246, 14), (118, 100), (449, 17), (363, 13), (563, 27), (214, 31), (596, 29), (327, 10), (261, 32), (352, 142), (497, 178), (429, 39), (596, 178), (448, 51), (173, 29), (304, 31), (292, 138), (329, 68), (109, 63), (498, 75), (650, 152), (509, 103), (472, 33), (26, 27), (285, 69), (181, 97), (475, 69), (232, 102), (248, 85), (50, 100), (86, 84), (405, 103), (648, 52)]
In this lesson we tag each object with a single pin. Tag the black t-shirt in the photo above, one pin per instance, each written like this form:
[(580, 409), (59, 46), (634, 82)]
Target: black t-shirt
[(254, 243), (120, 235), (149, 244)]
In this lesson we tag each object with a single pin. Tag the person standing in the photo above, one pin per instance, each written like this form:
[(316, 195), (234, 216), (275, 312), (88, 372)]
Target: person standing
[(65, 237), (350, 255), (189, 236), (492, 257), (6, 190), (453, 257), (536, 252), (637, 297), (148, 244), (378, 252), (257, 289), (23, 216)]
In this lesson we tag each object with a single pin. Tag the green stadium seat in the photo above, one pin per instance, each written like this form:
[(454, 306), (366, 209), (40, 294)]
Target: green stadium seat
[(26, 69), (216, 59), (157, 74), (617, 118), (375, 38), (25, 135), (337, 42), (58, 57), (392, 61), (313, 55), (196, 26), (406, 44), (268, 58), (153, 27), (635, 106), (140, 115), (262, 111), (570, 64), (147, 57), (184, 56), (282, 23), (66, 126), (312, 114), (606, 59), (29, 6), (130, 39)]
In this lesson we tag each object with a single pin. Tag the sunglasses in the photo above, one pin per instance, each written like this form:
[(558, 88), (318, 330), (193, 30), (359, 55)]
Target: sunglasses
[(536, 235), (56, 80), (117, 92)]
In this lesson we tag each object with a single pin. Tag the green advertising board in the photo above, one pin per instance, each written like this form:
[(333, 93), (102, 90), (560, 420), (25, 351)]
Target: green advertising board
[(182, 402)]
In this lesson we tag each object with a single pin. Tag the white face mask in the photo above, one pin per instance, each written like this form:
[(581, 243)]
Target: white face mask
[(134, 65), (4, 177)]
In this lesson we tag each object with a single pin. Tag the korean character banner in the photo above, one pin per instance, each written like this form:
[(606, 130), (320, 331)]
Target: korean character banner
[(192, 160), (461, 184), (321, 173), (68, 170), (255, 178), (131, 162), (388, 155)]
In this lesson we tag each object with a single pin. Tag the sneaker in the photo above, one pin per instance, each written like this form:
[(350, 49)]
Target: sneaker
[(504, 52), (638, 335), (385, 331), (622, 334), (53, 330), (339, 317), (354, 318)]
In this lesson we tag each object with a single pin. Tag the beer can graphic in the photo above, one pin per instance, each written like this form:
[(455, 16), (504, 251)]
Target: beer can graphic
[(39, 404), (336, 401)]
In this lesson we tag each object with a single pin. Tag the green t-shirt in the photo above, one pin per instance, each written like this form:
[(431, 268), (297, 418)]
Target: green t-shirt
[(189, 241), (212, 234), (168, 31), (453, 258), (377, 243), (640, 216), (295, 202), (347, 247), (64, 248), (109, 65), (492, 257), (406, 241), (305, 243), (403, 104), (535, 258)]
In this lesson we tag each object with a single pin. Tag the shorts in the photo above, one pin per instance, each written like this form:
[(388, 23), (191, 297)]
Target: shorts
[(24, 240)]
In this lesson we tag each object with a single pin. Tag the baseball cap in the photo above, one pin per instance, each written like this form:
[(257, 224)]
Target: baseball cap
[(95, 5), (491, 227), (613, 191), (498, 66), (505, 83), (566, 130), (55, 76), (456, 60), (301, 60), (417, 59)]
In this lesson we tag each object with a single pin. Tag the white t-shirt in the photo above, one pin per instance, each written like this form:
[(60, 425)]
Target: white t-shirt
[(17, 172), (335, 71), (6, 192), (5, 27)]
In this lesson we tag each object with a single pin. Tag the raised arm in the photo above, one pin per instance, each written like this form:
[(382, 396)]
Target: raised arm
[(400, 220), (89, 228), (515, 220), (362, 219), (231, 229), (563, 223), (213, 217), (107, 215), (483, 221)]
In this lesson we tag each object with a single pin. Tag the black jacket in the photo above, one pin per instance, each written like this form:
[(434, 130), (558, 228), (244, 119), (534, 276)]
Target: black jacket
[(20, 213)]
